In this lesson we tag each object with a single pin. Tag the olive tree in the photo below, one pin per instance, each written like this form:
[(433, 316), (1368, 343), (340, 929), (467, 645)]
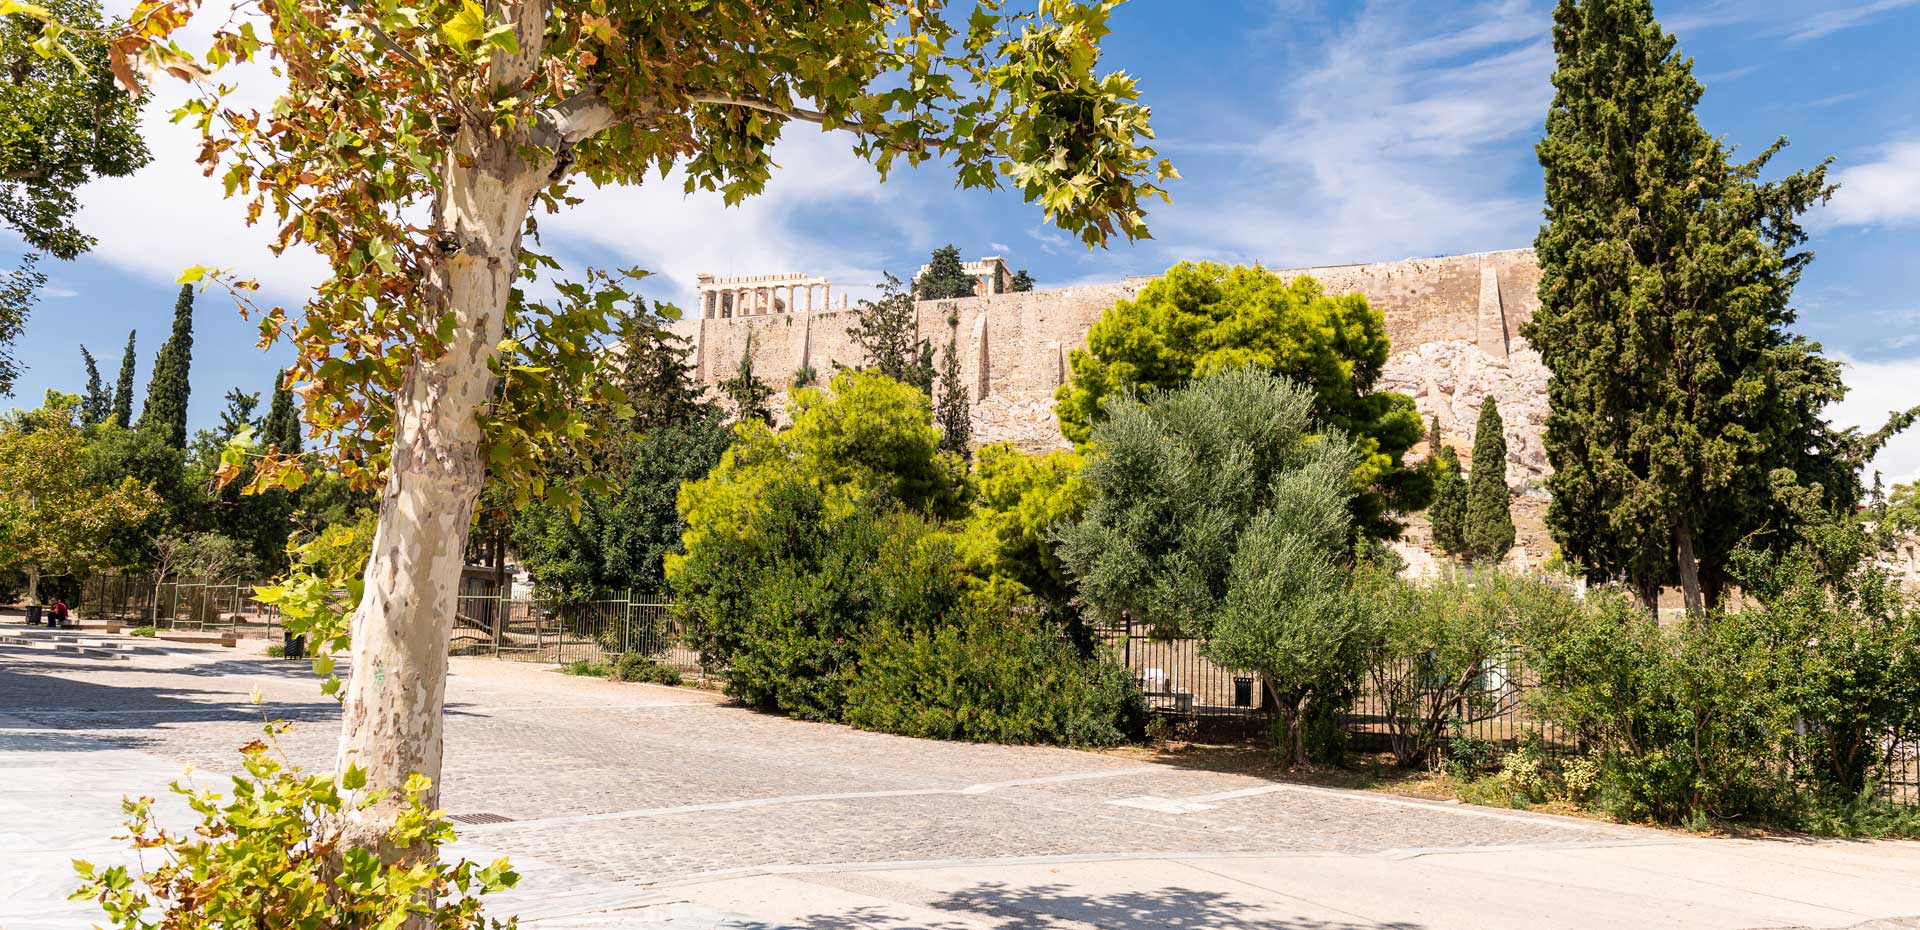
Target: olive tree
[(414, 143), (1221, 512)]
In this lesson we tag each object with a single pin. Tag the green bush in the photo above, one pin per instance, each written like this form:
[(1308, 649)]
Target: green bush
[(155, 631), (993, 674), (639, 667), (267, 854), (586, 668), (783, 606), (1786, 712), (1439, 643)]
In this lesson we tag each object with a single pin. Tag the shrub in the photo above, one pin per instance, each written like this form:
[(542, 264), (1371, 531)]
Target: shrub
[(585, 668), (993, 674), (1849, 653), (267, 855), (1441, 644), (782, 604), (155, 631), (1687, 723), (639, 667)]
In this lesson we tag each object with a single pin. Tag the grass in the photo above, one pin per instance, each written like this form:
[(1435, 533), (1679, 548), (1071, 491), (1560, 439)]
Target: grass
[(629, 667), (144, 631)]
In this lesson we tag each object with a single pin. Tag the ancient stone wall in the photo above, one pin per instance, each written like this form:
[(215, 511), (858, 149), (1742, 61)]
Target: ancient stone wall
[(1454, 322)]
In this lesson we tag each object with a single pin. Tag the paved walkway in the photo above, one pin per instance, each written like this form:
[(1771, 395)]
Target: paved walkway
[(641, 806)]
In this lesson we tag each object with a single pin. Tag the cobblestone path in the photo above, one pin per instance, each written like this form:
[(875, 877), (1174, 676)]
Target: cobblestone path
[(644, 801)]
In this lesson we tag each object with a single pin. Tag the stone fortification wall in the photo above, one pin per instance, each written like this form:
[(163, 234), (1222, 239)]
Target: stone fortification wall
[(1454, 322)]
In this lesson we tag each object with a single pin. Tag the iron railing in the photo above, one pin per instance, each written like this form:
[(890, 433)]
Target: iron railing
[(489, 624), (182, 604)]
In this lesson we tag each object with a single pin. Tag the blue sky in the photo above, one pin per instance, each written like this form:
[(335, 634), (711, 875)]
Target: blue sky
[(1307, 132)]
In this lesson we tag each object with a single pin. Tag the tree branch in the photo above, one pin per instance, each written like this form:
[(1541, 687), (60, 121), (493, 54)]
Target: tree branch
[(726, 100), (575, 119)]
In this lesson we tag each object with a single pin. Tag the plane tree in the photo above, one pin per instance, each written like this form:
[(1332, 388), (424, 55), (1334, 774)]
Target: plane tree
[(415, 144)]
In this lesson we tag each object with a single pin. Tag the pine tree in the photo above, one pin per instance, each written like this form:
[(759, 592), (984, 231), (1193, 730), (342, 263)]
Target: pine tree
[(281, 428), (1666, 276), (657, 380), (1487, 531), (237, 417), (944, 278), (1021, 281), (954, 413), (748, 394), (171, 385), (97, 405), (123, 388), (888, 334)]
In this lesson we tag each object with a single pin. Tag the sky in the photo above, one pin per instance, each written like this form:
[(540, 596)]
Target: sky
[(1305, 133)]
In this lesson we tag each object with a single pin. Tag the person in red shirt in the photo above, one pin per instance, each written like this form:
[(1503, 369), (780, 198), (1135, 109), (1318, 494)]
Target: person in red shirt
[(59, 611)]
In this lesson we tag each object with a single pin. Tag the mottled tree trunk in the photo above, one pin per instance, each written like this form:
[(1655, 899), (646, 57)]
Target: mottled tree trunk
[(391, 725), (1689, 566)]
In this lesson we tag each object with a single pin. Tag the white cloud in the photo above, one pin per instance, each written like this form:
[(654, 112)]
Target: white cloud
[(1842, 16), (1883, 191), (799, 224), (1875, 389), (1787, 19), (168, 216), (1397, 141)]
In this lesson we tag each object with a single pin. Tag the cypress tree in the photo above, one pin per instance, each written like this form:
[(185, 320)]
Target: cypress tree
[(944, 279), (1449, 511), (169, 388), (748, 394), (123, 388), (1487, 531), (281, 428), (97, 405), (1666, 276), (1021, 281), (954, 413)]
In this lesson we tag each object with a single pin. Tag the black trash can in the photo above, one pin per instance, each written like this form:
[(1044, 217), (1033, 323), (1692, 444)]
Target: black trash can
[(33, 613), (1243, 692), (293, 647)]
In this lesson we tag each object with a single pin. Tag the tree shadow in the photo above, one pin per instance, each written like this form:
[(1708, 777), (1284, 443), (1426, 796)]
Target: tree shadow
[(1059, 907), (114, 712)]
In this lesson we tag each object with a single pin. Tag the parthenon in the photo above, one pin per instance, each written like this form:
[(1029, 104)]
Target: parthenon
[(760, 294)]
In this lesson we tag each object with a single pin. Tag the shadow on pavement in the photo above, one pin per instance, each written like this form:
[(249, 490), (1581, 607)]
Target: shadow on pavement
[(1056, 907), (32, 692)]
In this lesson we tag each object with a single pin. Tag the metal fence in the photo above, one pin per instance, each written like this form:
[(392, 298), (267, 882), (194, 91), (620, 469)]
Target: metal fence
[(496, 624), (183, 604), (1486, 703), (1182, 685)]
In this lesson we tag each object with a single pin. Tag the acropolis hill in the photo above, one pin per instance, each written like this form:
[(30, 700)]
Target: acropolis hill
[(1454, 322)]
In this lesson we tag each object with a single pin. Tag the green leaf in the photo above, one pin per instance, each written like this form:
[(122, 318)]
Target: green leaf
[(354, 779), (466, 26), (194, 274)]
